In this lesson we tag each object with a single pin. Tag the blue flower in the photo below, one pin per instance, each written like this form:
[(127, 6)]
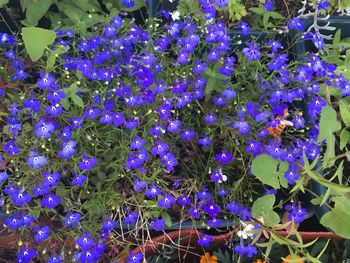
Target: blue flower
[(296, 23), (26, 255), (54, 259), (32, 104), (128, 3), (85, 242), (245, 28), (36, 161), (68, 150), (108, 224), (205, 240), (11, 148), (51, 180), (42, 233), (79, 180), (3, 176), (224, 157), (135, 258), (19, 198), (131, 218), (252, 52), (157, 224), (44, 129), (87, 163), (72, 219), (50, 201), (166, 201)]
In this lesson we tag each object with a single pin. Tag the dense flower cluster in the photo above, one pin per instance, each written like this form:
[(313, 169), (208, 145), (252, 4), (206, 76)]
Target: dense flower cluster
[(169, 115)]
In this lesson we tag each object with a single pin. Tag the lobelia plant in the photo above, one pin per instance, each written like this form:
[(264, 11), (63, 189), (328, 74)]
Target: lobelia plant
[(113, 137)]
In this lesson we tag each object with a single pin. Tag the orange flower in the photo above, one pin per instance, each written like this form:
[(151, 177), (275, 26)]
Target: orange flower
[(295, 257), (206, 258), (259, 261)]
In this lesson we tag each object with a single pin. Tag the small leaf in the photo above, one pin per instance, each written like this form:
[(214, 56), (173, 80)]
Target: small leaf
[(257, 10), (275, 15), (265, 168), (345, 112), (344, 138), (336, 38), (3, 2), (210, 85), (77, 100), (167, 219), (263, 207), (36, 40), (337, 219), (329, 155), (328, 123)]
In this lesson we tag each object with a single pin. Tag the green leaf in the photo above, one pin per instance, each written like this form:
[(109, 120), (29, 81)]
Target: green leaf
[(336, 38), (35, 10), (51, 60), (36, 40), (211, 83), (329, 155), (275, 15), (3, 2), (77, 100), (344, 138), (263, 207), (257, 10), (345, 112), (269, 171), (328, 123), (167, 219), (138, 4), (338, 218)]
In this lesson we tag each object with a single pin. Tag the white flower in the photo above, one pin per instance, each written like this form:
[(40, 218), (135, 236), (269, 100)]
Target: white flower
[(245, 232), (175, 15)]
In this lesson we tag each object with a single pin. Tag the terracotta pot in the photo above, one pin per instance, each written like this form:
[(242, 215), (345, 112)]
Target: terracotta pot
[(190, 236)]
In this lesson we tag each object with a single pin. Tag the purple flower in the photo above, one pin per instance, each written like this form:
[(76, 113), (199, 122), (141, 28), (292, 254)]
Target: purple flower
[(268, 5), (157, 224), (72, 219), (211, 209), (128, 3), (131, 218), (44, 129), (32, 104), (161, 148), (11, 148), (275, 45), (137, 143), (254, 147), (224, 157), (203, 195), (166, 201), (85, 242), (135, 258), (205, 240), (169, 161), (296, 23), (174, 126), (184, 200), (50, 201), (251, 52), (217, 176), (139, 185), (242, 126), (296, 213), (20, 198), (42, 233), (152, 191), (323, 5), (54, 258), (245, 28), (3, 176), (292, 174), (36, 161), (46, 81), (108, 224), (86, 163), (248, 250), (79, 180), (26, 255), (204, 141), (214, 222), (67, 150), (210, 118), (51, 180)]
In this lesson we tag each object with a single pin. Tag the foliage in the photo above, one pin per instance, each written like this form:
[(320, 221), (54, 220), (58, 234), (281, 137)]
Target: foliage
[(112, 137)]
